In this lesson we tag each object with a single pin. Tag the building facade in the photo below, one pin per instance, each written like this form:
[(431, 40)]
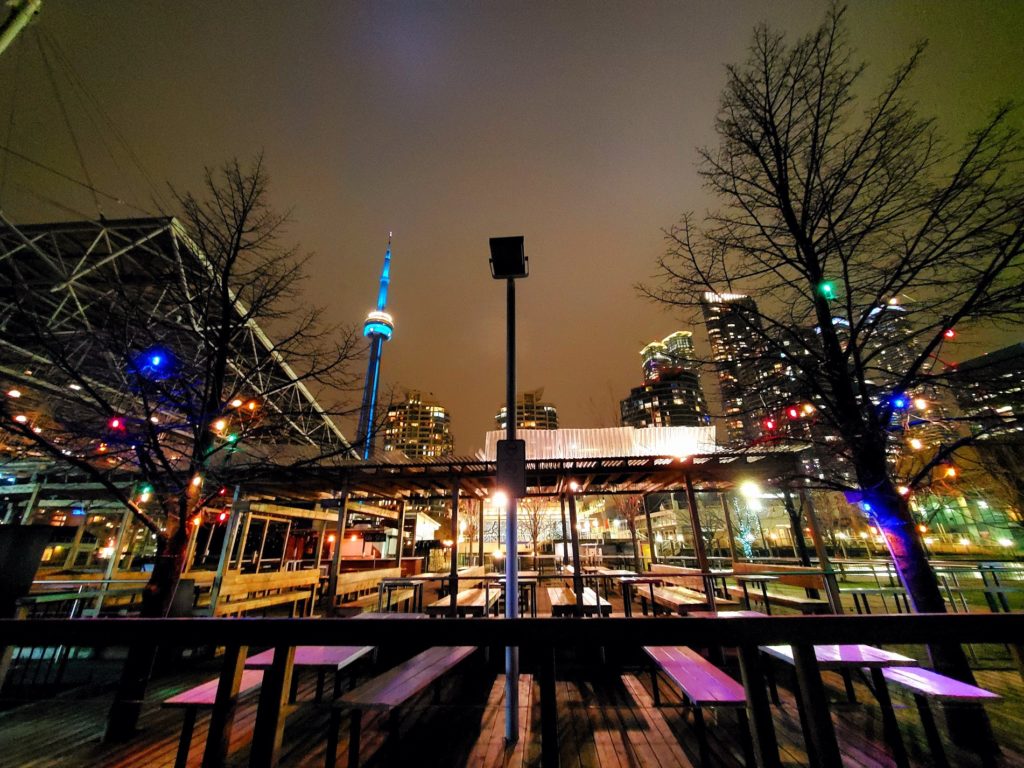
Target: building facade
[(531, 412), (738, 350), (990, 392), (671, 395), (419, 427)]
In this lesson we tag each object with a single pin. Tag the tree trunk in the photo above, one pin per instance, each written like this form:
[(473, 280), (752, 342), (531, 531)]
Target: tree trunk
[(968, 726), (631, 521), (138, 665)]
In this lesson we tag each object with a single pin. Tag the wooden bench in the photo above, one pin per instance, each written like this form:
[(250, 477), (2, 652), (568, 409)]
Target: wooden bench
[(702, 685), (925, 684), (789, 575), (387, 692), (476, 601), (678, 600), (204, 697), (563, 602), (360, 590), (244, 592)]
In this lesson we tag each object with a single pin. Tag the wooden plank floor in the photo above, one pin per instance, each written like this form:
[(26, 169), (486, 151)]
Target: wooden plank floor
[(605, 720)]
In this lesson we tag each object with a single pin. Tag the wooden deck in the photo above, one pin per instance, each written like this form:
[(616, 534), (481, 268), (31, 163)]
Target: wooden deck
[(606, 720)]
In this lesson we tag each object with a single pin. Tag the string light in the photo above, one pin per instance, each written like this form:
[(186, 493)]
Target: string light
[(827, 289), (951, 472), (236, 403), (116, 423), (197, 480), (15, 393), (197, 520), (219, 425), (21, 418), (920, 403), (222, 517), (949, 333), (916, 444)]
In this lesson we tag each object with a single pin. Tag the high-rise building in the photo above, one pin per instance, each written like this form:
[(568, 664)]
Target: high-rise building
[(419, 426), (531, 412), (990, 392), (738, 350), (671, 395)]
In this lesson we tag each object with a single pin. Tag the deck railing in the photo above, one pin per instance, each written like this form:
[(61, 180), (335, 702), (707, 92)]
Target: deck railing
[(542, 637)]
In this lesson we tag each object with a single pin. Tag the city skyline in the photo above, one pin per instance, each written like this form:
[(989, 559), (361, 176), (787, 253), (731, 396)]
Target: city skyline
[(421, 129)]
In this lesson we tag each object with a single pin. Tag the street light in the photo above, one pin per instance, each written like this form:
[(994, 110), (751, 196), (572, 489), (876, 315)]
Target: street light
[(509, 263)]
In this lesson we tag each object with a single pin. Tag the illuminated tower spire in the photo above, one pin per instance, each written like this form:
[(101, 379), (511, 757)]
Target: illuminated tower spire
[(378, 329)]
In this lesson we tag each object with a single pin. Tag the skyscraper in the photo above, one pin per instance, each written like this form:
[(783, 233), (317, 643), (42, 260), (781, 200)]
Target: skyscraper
[(531, 412), (419, 426), (378, 328), (671, 395), (738, 350), (990, 392)]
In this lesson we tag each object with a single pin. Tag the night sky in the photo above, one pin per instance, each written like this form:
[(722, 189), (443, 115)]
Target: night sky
[(574, 124)]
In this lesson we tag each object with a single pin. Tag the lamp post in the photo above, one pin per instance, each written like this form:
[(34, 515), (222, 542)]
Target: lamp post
[(508, 262)]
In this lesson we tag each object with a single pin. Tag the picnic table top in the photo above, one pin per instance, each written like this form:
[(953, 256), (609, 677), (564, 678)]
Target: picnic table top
[(754, 577), (615, 572), (320, 656), (389, 615), (205, 694), (843, 656), (522, 575)]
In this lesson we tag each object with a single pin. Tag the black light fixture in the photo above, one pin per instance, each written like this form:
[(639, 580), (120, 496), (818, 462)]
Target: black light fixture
[(508, 258)]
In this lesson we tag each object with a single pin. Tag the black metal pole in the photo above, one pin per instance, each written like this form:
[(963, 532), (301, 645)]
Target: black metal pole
[(453, 588), (577, 567), (512, 534)]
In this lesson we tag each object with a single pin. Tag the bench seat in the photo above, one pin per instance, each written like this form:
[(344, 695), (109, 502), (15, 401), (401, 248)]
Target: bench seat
[(702, 685), (469, 602), (387, 692), (563, 602), (204, 696), (802, 604), (371, 602), (290, 597)]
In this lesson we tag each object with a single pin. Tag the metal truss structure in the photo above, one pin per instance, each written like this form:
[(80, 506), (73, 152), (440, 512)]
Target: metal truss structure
[(74, 272)]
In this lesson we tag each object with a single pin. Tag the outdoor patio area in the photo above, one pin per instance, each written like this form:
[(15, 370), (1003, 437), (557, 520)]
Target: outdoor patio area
[(605, 718)]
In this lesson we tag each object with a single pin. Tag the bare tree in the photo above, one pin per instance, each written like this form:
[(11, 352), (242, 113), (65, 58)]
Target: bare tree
[(631, 508), (164, 370), (834, 206), (533, 520)]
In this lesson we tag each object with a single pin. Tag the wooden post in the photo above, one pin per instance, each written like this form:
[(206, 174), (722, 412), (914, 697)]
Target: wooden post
[(565, 532), (239, 509), (115, 558), (401, 535), (814, 701), (831, 585), (548, 710), (339, 537), (453, 588), (650, 533), (268, 732), (577, 570), (480, 528), (698, 542), (727, 514), (759, 713), (223, 714)]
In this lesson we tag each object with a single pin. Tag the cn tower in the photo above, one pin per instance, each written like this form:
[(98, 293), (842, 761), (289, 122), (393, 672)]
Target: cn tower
[(378, 328)]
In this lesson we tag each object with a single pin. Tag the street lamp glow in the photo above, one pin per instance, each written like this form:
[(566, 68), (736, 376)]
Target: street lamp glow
[(750, 490), (574, 486)]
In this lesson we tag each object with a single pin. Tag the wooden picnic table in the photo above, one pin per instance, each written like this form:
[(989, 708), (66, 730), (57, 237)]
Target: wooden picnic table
[(322, 658), (845, 659), (629, 582), (756, 578)]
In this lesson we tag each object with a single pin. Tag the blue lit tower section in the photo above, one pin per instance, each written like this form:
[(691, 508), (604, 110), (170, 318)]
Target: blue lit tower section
[(378, 329)]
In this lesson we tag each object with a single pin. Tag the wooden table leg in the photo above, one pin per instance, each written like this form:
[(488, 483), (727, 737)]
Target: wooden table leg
[(181, 760), (889, 725)]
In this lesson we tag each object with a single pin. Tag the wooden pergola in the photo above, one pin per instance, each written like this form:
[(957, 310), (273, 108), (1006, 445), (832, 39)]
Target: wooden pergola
[(406, 481)]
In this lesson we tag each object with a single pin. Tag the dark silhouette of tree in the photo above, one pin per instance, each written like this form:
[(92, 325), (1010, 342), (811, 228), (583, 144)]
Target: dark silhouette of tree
[(168, 374), (834, 206)]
